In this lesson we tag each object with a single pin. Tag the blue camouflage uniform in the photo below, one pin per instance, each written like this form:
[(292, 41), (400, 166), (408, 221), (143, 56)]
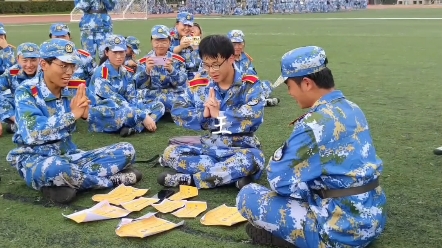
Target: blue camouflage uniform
[(45, 155), (87, 66), (7, 57), (115, 100), (245, 65), (134, 44), (330, 148), (12, 78), (221, 159), (191, 53), (160, 83), (96, 24)]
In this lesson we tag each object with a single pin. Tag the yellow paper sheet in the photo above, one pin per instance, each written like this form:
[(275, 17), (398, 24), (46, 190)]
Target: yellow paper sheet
[(167, 206), (138, 204), (101, 211), (144, 226), (184, 193), (191, 210), (222, 216), (120, 195)]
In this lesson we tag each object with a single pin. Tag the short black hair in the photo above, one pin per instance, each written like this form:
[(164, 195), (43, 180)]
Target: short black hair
[(50, 35), (216, 45), (323, 78)]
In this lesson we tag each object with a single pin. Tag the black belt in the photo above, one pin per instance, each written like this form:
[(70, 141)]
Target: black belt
[(248, 134), (47, 143), (100, 11), (337, 193)]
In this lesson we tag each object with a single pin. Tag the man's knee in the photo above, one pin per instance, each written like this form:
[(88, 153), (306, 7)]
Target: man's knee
[(128, 149), (170, 153)]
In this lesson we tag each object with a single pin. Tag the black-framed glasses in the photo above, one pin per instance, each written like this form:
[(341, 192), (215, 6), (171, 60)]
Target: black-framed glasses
[(65, 67), (214, 67)]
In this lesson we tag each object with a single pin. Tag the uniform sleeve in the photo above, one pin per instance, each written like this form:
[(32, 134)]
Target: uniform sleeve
[(251, 69), (250, 115), (84, 5), (7, 98), (179, 75), (102, 88), (36, 128), (141, 78), (294, 163), (186, 114), (109, 4), (8, 58)]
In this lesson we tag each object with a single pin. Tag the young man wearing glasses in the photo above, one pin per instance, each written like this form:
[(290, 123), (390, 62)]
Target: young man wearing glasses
[(231, 107)]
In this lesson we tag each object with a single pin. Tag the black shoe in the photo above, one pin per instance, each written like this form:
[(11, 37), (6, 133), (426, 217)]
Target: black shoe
[(59, 194), (264, 238), (129, 176), (243, 182), (438, 151), (173, 179), (272, 101), (125, 131), (11, 128)]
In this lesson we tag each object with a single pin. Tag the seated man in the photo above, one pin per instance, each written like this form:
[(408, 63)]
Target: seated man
[(324, 179), (46, 158), (230, 106), (28, 55), (7, 57)]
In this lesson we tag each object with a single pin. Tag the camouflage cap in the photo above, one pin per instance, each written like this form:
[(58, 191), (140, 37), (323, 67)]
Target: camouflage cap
[(61, 49), (236, 36), (28, 50), (160, 32), (116, 43), (133, 43), (302, 61)]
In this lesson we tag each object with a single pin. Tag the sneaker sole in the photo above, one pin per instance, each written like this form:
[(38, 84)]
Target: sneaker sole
[(262, 237)]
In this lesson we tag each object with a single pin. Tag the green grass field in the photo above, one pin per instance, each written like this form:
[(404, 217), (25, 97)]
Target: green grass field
[(390, 68)]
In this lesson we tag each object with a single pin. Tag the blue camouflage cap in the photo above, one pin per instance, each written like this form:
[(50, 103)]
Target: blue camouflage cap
[(28, 50), (59, 29), (302, 61), (185, 17), (133, 43), (116, 43), (2, 29), (61, 49), (236, 36), (160, 32)]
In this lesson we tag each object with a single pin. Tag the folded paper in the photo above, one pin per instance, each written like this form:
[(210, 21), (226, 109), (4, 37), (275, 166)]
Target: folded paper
[(139, 204), (222, 216), (167, 206), (120, 195), (185, 192), (101, 211), (146, 225), (191, 209)]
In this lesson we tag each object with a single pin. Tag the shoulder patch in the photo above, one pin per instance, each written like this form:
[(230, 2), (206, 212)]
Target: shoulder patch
[(179, 58), (83, 52), (277, 155), (73, 84), (34, 91), (198, 82), (129, 69), (250, 79), (297, 119), (142, 61), (14, 72), (104, 72), (248, 56)]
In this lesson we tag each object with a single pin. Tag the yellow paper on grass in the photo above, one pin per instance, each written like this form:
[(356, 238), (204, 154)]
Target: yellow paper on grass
[(222, 216), (139, 203), (144, 226), (191, 210), (167, 206), (120, 195), (184, 193), (101, 211)]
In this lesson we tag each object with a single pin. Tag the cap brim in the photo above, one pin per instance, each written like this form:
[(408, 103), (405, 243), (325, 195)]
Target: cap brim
[(160, 36), (284, 78), (188, 23), (118, 48), (136, 51), (72, 59), (236, 40), (61, 33), (30, 55), (2, 32)]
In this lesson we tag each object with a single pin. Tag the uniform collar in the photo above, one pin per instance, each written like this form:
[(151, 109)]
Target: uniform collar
[(112, 72), (328, 98)]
